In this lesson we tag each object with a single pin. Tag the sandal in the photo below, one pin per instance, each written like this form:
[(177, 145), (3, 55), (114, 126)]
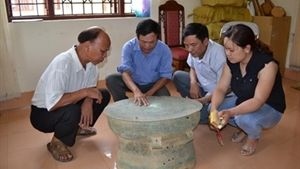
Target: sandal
[(86, 131), (238, 136), (249, 147), (59, 151)]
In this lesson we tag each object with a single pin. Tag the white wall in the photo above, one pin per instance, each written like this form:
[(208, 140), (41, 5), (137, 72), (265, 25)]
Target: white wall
[(36, 43)]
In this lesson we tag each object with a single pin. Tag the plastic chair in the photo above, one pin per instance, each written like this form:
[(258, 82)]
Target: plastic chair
[(171, 18), (252, 25)]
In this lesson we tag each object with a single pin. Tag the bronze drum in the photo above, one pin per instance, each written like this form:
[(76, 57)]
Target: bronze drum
[(159, 136)]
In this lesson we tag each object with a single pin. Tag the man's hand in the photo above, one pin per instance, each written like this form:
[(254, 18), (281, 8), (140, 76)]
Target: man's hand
[(94, 93), (140, 99), (195, 91), (86, 118), (203, 100)]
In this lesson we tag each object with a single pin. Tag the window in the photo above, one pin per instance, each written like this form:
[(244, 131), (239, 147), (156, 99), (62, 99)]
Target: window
[(67, 9)]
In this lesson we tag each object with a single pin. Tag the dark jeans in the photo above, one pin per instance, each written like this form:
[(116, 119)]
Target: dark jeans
[(118, 88), (64, 121), (181, 80)]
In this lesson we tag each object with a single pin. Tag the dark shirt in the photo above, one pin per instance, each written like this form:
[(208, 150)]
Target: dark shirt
[(244, 87)]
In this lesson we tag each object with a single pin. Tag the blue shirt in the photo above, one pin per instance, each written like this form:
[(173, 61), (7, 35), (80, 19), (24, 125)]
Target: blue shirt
[(146, 68)]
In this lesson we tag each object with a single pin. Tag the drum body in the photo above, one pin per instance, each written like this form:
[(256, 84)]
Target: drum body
[(159, 136)]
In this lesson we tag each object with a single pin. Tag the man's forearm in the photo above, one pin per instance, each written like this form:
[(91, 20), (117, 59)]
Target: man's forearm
[(158, 85), (129, 82), (70, 98)]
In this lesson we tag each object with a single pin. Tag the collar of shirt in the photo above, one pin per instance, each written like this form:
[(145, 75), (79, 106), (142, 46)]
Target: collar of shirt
[(138, 48), (75, 57)]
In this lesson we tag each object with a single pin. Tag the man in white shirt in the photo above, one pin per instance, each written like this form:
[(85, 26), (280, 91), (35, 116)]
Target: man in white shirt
[(66, 100), (206, 60)]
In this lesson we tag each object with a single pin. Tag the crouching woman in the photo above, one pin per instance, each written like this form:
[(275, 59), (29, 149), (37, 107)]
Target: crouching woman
[(254, 77)]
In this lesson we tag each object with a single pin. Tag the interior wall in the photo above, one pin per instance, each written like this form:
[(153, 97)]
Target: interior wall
[(36, 43)]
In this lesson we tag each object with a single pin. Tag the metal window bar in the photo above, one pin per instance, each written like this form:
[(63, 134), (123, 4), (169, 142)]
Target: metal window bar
[(21, 7), (107, 6), (67, 9)]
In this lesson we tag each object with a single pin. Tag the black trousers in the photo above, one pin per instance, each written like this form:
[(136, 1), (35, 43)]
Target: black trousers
[(118, 88), (64, 121)]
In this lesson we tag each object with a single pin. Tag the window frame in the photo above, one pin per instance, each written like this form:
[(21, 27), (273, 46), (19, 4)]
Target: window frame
[(51, 16)]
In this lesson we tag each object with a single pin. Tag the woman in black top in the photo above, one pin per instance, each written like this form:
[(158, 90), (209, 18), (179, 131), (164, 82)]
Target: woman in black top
[(254, 77)]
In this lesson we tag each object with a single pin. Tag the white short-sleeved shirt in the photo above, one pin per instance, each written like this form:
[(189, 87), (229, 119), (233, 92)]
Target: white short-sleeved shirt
[(64, 74), (210, 67)]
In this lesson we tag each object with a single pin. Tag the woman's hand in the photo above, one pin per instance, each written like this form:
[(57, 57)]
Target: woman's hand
[(225, 115)]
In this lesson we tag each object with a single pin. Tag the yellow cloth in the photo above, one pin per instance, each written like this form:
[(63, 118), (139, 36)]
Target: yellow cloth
[(207, 14), (236, 3), (214, 30)]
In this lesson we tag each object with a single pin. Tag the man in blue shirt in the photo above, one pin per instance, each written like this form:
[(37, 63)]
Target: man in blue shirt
[(146, 66)]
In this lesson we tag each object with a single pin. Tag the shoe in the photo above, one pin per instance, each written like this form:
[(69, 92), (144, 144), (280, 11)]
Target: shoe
[(86, 131), (238, 136), (249, 147), (59, 151)]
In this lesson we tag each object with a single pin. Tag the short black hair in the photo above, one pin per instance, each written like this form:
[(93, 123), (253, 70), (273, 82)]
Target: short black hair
[(198, 29), (148, 26), (89, 34)]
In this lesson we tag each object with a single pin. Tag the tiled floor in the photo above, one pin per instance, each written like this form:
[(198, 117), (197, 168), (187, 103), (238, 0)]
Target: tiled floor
[(22, 147)]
